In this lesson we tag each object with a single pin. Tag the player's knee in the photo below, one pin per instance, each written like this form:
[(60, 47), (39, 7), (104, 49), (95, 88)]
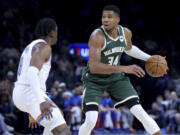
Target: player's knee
[(91, 119), (90, 123)]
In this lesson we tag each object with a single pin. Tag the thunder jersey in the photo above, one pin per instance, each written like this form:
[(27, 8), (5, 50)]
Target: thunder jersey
[(25, 62), (110, 54)]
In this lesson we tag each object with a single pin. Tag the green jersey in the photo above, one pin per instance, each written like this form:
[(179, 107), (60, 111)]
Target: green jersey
[(110, 54)]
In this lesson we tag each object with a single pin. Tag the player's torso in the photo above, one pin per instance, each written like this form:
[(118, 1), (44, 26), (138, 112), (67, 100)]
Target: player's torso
[(110, 54), (113, 48), (25, 62)]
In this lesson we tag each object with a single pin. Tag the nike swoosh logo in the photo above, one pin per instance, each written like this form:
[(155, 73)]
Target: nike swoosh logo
[(109, 42)]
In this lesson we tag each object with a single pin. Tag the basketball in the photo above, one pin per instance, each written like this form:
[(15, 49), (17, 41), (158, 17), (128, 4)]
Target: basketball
[(156, 66)]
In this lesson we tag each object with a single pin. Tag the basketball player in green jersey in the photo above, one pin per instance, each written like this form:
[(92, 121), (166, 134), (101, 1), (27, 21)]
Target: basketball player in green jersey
[(104, 72)]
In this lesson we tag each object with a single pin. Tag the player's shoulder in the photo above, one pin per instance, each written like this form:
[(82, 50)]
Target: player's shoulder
[(97, 34), (44, 46), (41, 48), (127, 31), (96, 38)]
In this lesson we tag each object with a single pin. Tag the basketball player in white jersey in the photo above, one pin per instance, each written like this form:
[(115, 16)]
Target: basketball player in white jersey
[(29, 94)]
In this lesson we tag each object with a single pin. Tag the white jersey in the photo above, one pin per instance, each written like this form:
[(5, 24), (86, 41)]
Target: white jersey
[(25, 62)]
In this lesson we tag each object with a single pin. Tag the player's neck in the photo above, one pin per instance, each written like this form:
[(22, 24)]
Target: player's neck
[(113, 32), (48, 40)]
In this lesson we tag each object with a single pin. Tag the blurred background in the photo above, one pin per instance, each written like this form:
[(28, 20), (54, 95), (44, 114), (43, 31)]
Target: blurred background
[(156, 30)]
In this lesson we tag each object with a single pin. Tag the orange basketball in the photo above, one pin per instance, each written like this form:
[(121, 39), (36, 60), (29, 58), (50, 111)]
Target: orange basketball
[(156, 66)]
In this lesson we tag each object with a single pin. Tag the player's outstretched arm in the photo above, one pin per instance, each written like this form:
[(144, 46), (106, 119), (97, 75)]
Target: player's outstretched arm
[(132, 50), (39, 54), (96, 42)]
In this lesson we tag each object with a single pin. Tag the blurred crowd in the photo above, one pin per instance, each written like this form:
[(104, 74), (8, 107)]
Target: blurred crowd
[(64, 86)]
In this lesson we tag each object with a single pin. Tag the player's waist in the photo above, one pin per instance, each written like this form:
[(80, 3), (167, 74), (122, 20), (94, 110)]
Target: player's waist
[(107, 75)]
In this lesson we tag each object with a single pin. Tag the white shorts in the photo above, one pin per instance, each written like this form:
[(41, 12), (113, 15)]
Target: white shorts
[(24, 100)]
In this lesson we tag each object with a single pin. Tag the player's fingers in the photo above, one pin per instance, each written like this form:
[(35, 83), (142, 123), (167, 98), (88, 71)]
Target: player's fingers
[(134, 72), (51, 116), (35, 124), (140, 70), (139, 73), (32, 126), (47, 116)]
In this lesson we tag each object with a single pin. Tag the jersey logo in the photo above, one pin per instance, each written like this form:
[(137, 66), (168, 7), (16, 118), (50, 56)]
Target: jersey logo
[(114, 50), (109, 42), (121, 38)]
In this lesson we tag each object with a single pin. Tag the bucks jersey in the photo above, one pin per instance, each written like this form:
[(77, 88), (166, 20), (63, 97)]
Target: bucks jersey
[(110, 54)]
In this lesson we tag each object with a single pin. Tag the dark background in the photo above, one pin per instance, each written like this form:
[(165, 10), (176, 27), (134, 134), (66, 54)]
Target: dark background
[(154, 24)]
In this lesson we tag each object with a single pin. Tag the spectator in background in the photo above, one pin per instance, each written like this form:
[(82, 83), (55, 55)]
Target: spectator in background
[(10, 76), (10, 67), (67, 99), (63, 87), (177, 123), (3, 63), (11, 52), (76, 99), (58, 99), (174, 84), (76, 117), (67, 106), (6, 109), (65, 65), (166, 102), (159, 101), (79, 69), (76, 102), (172, 110), (64, 48), (3, 127), (156, 114), (56, 84), (53, 92), (7, 86), (106, 106)]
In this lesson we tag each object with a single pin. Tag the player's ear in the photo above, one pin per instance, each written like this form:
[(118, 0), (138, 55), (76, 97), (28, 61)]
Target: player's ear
[(51, 34)]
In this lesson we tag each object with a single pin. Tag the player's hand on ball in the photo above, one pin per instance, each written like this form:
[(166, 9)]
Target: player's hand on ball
[(45, 110), (156, 66), (32, 122), (134, 69)]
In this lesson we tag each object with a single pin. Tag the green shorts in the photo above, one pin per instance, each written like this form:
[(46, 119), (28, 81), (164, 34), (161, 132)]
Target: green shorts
[(120, 91)]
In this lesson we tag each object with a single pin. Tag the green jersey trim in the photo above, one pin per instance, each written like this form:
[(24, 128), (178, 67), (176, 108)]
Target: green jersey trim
[(114, 39)]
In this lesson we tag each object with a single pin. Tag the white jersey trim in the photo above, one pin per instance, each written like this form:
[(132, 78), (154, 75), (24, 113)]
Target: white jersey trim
[(104, 46), (114, 39), (92, 103), (130, 97), (124, 35)]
